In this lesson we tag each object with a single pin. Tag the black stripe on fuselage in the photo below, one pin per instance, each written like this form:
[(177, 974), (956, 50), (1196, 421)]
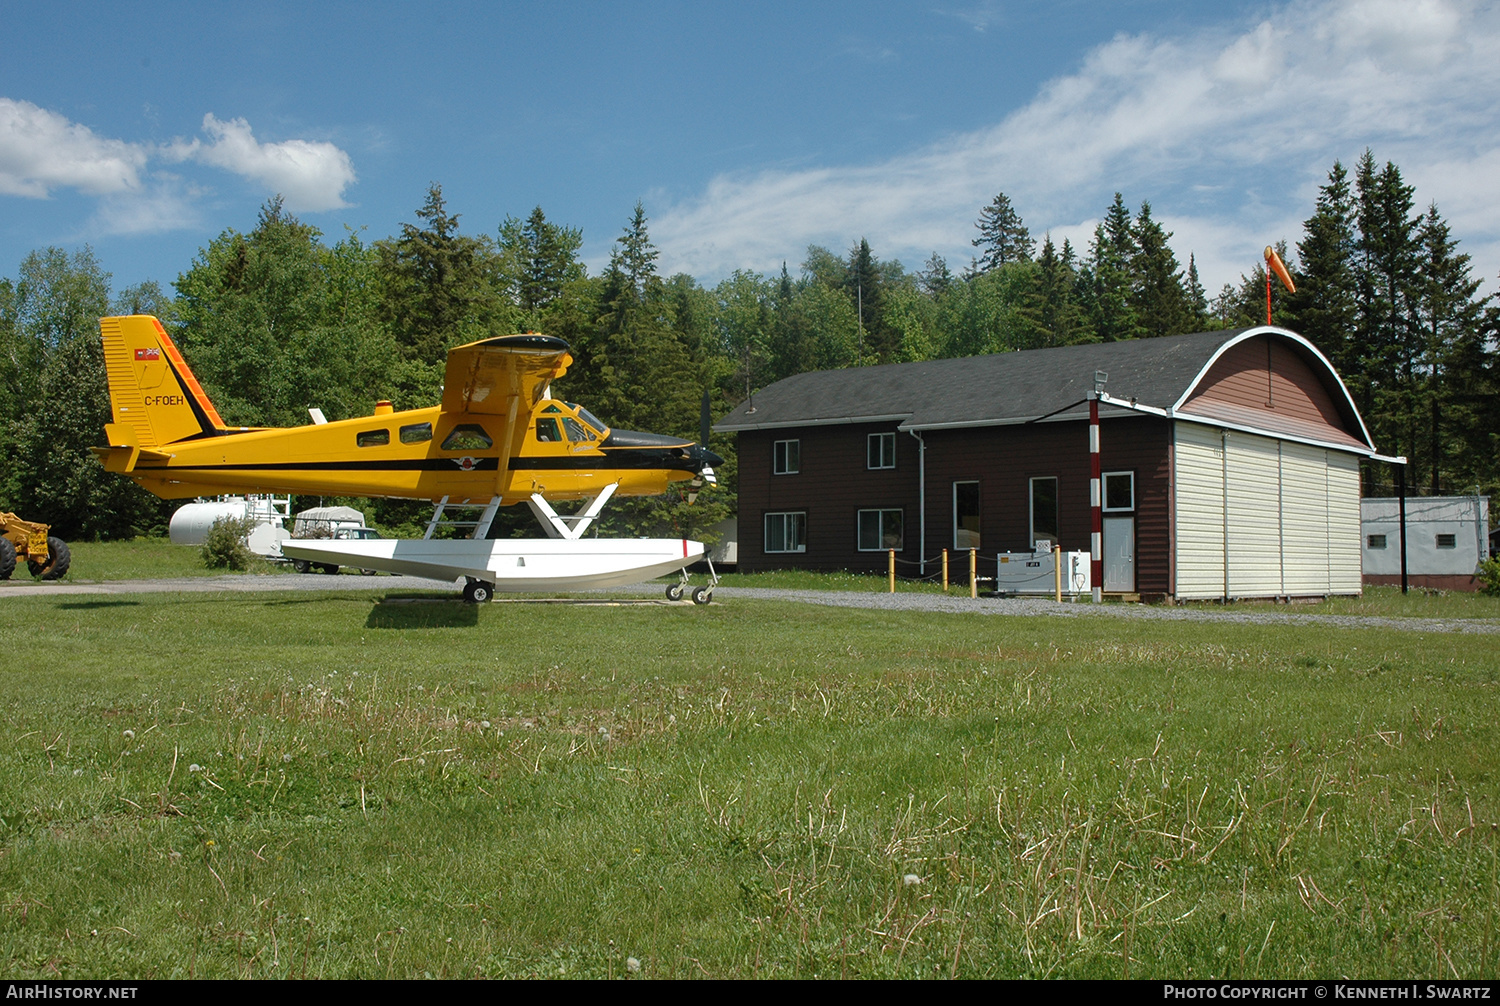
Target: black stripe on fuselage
[(626, 460)]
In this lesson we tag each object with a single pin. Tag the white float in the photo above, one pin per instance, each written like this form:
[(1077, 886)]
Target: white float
[(510, 565)]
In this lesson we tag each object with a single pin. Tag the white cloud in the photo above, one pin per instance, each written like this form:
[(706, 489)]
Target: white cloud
[(1227, 131), (166, 204), (310, 176), (41, 151)]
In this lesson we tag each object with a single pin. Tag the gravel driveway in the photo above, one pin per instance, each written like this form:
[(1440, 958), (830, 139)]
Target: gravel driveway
[(1024, 607)]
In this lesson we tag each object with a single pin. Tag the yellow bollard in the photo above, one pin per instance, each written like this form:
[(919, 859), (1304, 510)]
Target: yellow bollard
[(1057, 568), (973, 572), (891, 568), (945, 571)]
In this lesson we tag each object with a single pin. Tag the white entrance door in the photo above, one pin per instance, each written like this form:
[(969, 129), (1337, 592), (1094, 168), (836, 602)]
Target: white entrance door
[(1119, 555)]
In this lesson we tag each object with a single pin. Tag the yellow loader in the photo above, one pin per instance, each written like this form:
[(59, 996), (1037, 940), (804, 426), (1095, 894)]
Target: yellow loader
[(45, 556)]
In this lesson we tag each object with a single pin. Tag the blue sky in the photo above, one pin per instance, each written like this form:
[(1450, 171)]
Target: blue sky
[(748, 131)]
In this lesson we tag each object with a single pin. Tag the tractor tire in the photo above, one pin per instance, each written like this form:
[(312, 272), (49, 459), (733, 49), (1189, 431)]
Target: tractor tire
[(58, 561), (7, 558)]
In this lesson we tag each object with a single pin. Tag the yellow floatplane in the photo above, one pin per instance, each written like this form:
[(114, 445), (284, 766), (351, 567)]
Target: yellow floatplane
[(497, 438)]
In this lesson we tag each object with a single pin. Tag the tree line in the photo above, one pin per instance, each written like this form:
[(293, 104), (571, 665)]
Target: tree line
[(280, 319)]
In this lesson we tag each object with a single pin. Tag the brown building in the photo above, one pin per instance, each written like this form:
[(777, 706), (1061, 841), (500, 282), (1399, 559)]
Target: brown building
[(1230, 463)]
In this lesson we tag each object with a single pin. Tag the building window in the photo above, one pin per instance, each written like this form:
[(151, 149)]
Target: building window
[(786, 457), (880, 530), (786, 532), (965, 515), (1447, 541), (1044, 511), (1119, 491), (373, 438), (881, 450), (1375, 541)]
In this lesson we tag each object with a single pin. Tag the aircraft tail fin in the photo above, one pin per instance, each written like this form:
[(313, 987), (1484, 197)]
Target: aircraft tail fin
[(155, 398)]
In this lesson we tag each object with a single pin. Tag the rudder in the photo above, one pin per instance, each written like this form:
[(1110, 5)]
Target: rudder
[(153, 394)]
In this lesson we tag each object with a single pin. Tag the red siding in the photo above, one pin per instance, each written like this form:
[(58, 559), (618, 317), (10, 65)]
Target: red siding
[(1264, 382), (834, 484)]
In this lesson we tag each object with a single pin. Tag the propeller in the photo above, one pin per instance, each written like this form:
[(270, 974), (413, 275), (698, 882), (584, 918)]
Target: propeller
[(705, 423)]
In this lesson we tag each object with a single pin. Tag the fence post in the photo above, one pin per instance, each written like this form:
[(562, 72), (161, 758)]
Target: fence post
[(945, 571), (891, 568), (973, 572), (1057, 569)]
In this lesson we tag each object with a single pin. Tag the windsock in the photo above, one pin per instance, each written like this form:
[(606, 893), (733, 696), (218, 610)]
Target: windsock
[(1274, 264)]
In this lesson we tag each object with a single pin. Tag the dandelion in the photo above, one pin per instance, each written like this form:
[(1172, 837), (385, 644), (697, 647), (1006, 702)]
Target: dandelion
[(632, 965), (209, 844), (484, 725), (910, 879), (195, 767), (286, 757), (129, 735)]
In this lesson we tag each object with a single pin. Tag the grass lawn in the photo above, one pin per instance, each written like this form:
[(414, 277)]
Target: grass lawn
[(340, 785), (141, 559)]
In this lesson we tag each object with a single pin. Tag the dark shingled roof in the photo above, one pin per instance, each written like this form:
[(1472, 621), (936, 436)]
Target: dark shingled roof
[(982, 390)]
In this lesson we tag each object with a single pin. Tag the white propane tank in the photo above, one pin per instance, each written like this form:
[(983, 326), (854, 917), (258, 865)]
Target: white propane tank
[(192, 521)]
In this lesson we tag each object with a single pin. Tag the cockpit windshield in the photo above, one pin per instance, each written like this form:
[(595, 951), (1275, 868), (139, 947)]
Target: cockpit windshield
[(589, 417)]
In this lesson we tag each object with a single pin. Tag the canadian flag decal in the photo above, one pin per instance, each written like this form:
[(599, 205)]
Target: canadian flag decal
[(150, 353)]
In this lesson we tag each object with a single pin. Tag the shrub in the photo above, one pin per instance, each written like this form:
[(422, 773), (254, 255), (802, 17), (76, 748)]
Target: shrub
[(224, 546), (1489, 576)]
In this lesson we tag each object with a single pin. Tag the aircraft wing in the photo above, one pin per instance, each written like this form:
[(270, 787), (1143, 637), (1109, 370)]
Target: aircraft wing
[(483, 377), (504, 377)]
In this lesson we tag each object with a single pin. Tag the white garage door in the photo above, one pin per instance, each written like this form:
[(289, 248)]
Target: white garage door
[(1260, 517)]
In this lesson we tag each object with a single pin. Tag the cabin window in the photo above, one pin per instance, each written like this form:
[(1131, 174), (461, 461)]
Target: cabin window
[(880, 530), (1447, 541), (547, 431), (786, 457), (417, 433), (1044, 510), (373, 438), (467, 437), (786, 532), (1119, 491), (1375, 541), (577, 432), (881, 450), (965, 515)]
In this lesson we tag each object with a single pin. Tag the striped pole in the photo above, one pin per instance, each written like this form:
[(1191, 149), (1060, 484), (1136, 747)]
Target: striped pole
[(1096, 502)]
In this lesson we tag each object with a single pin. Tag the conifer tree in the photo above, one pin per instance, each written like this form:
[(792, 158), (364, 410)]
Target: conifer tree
[(537, 259), (1110, 307), (863, 283), (1450, 318), (441, 287), (1160, 304), (1324, 306), (1002, 236)]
